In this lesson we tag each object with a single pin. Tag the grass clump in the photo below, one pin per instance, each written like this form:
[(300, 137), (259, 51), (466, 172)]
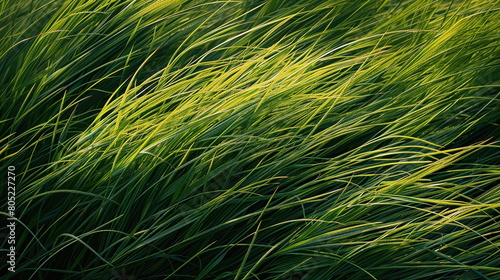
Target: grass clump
[(253, 139)]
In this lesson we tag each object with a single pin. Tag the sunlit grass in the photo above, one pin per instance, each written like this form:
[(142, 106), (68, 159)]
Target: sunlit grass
[(253, 139)]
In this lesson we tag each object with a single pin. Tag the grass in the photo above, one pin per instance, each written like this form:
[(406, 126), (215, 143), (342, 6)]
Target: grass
[(252, 139)]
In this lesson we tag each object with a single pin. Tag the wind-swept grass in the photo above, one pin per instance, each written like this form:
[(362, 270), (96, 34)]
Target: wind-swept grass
[(252, 139)]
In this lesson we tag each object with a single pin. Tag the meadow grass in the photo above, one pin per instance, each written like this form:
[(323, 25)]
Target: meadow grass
[(252, 139)]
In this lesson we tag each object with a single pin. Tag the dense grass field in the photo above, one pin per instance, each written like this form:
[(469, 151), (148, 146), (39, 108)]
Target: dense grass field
[(250, 139)]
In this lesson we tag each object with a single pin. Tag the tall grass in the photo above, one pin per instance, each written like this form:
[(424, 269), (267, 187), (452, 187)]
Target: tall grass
[(252, 139)]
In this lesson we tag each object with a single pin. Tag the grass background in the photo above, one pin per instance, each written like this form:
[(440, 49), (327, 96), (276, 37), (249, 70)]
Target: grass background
[(252, 139)]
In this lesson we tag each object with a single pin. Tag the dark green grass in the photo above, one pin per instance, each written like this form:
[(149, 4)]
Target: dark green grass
[(252, 139)]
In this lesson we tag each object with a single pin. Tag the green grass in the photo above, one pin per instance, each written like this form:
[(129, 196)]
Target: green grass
[(252, 139)]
